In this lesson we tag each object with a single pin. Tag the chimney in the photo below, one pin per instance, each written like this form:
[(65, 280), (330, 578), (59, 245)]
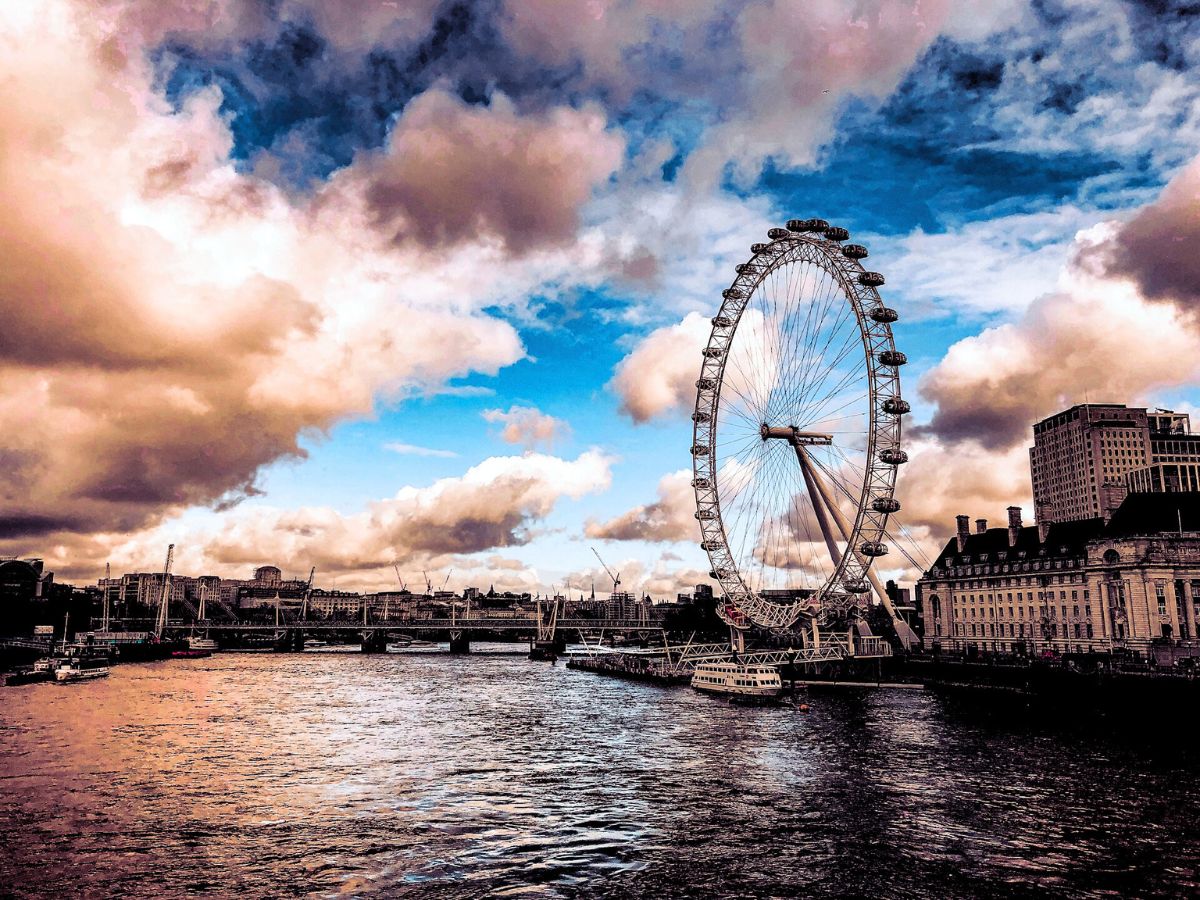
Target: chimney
[(980, 526), (1014, 525), (964, 529)]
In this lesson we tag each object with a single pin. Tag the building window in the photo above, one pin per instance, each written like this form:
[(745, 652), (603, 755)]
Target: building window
[(1160, 594)]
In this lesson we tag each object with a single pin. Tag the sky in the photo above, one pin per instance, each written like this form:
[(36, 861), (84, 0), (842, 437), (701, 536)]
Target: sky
[(425, 283)]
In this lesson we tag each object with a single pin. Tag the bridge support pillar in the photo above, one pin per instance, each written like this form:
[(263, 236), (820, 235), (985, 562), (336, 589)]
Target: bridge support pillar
[(460, 644), (550, 649), (374, 641)]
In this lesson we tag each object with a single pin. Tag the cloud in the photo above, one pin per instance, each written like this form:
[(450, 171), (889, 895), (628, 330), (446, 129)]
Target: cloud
[(1094, 338), (1157, 248), (662, 580), (943, 480), (174, 324), (527, 426), (350, 25), (769, 76), (670, 518), (453, 173), (995, 265), (414, 450), (493, 505), (490, 506), (659, 375)]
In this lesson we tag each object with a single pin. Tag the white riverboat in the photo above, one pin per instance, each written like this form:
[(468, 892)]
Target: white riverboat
[(79, 668), (738, 681), (202, 643), (413, 647)]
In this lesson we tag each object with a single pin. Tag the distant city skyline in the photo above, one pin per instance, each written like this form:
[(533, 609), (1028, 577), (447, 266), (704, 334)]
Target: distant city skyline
[(359, 285)]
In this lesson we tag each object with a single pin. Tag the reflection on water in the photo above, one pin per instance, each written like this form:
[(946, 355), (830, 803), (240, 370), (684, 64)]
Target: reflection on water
[(332, 774)]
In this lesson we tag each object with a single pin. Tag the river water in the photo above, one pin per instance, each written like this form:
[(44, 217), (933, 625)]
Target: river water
[(429, 775)]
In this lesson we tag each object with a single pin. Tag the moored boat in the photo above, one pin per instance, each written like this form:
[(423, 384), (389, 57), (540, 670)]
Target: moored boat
[(81, 668), (738, 681), (412, 647)]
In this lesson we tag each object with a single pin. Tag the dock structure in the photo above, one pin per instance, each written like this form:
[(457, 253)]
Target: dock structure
[(675, 663)]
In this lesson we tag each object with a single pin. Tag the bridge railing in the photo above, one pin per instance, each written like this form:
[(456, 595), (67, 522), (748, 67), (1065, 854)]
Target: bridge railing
[(480, 623)]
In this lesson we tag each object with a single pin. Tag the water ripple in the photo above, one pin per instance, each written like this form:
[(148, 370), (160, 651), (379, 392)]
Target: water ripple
[(340, 775)]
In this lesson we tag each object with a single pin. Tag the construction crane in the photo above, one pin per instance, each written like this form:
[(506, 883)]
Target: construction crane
[(307, 593), (428, 584), (447, 581), (616, 578), (161, 625), (399, 578)]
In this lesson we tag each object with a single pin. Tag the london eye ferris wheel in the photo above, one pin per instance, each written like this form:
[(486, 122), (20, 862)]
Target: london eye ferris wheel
[(796, 442)]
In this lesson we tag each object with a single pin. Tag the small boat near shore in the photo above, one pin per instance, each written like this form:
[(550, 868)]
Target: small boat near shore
[(411, 647), (738, 681), (81, 668), (323, 647)]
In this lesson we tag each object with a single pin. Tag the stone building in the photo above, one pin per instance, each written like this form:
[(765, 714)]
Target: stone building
[(1078, 586), (1085, 459)]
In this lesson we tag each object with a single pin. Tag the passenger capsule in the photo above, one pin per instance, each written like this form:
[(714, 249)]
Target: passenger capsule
[(777, 234), (714, 352), (722, 321), (706, 384), (836, 233), (884, 315), (797, 224), (885, 504), (710, 546), (856, 586), (699, 449), (740, 268), (895, 406), (700, 416), (718, 574), (873, 548), (870, 279), (705, 514), (893, 456), (818, 225), (854, 251), (732, 294), (892, 358), (757, 248), (701, 483)]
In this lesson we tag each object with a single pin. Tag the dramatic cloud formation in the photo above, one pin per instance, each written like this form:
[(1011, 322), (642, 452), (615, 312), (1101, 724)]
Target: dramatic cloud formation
[(493, 505), (773, 75), (236, 231), (453, 173), (1095, 338), (347, 24), (1158, 247), (670, 518), (527, 426), (173, 324), (659, 376)]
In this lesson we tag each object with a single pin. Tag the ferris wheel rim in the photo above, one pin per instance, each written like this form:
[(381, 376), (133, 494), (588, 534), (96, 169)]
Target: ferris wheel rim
[(817, 243)]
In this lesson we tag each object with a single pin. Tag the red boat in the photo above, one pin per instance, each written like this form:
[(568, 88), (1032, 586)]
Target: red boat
[(190, 654)]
